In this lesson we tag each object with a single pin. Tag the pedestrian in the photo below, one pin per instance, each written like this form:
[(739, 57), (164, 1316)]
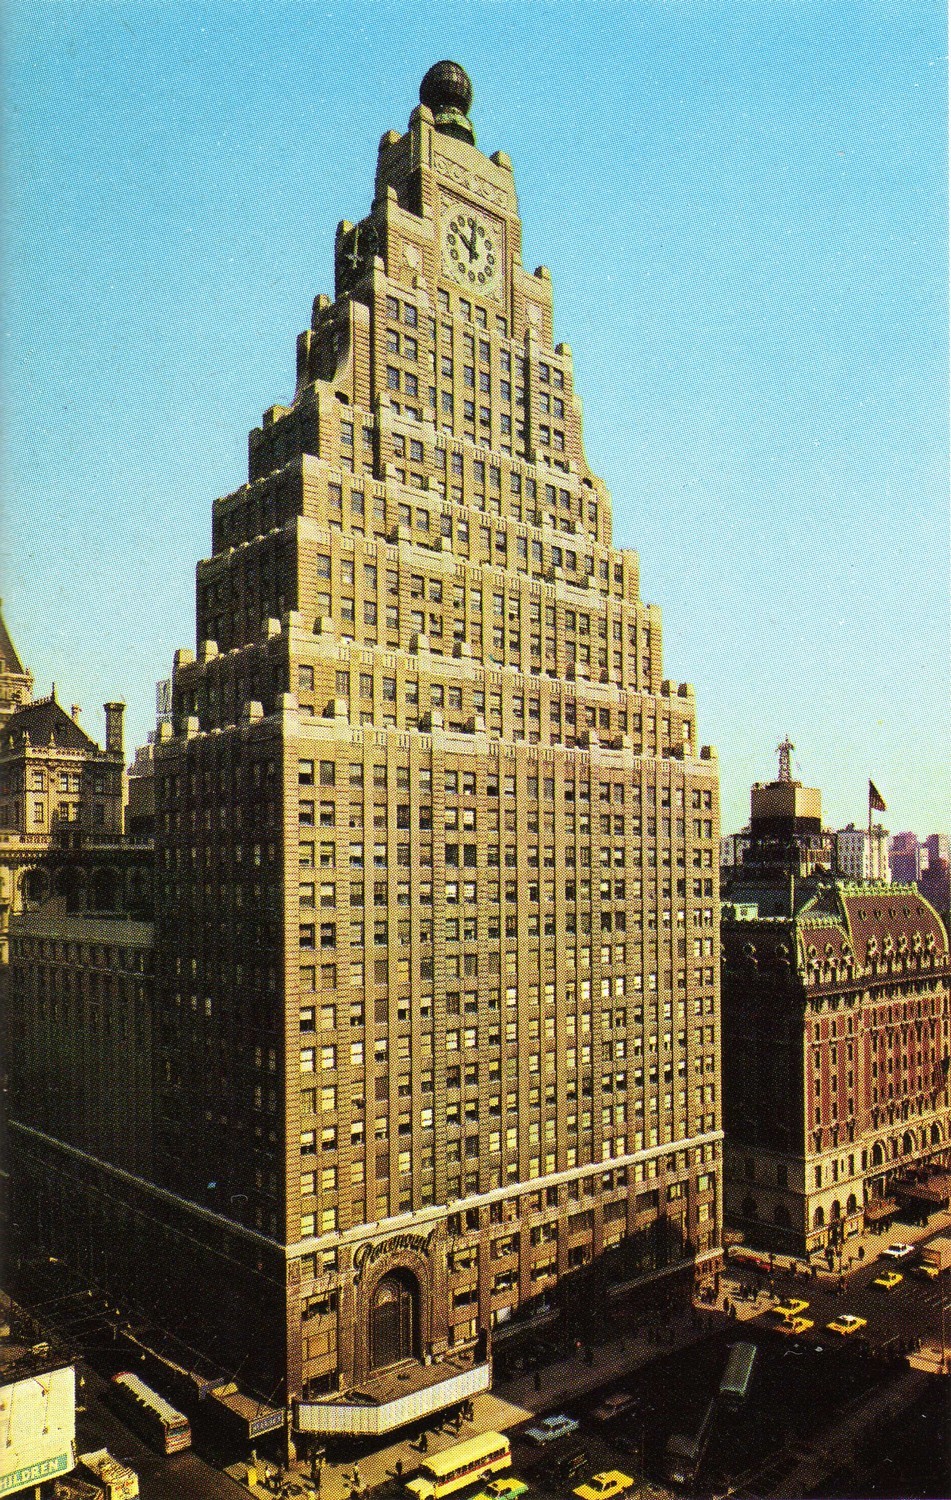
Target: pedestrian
[(537, 1380), (424, 1444), (398, 1467)]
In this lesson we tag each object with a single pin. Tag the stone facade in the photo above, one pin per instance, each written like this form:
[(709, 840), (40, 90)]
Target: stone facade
[(861, 855), (436, 932), (58, 788)]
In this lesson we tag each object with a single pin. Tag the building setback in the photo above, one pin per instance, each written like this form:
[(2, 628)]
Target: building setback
[(436, 933)]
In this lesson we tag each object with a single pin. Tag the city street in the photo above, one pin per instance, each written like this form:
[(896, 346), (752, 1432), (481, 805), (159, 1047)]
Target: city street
[(911, 1310), (182, 1476)]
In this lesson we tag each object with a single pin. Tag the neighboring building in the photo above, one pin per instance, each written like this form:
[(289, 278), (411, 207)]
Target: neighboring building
[(140, 812), (861, 854), (926, 863), (785, 836), (16, 680), (905, 857), (81, 1031), (935, 881), (436, 1015), (37, 1417), (836, 1051), (58, 789), (937, 845), (734, 848)]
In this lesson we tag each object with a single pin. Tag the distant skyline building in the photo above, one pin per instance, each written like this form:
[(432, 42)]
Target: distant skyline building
[(429, 1015), (905, 857), (861, 854)]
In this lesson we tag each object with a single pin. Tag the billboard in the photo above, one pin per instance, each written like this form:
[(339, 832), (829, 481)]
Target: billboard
[(37, 1429)]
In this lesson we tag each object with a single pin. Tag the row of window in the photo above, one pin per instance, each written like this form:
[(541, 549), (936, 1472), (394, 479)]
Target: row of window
[(463, 783)]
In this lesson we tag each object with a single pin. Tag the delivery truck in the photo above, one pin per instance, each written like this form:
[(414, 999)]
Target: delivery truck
[(935, 1258)]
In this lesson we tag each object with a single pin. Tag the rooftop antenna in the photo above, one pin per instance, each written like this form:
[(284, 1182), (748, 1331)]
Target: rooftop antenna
[(784, 751)]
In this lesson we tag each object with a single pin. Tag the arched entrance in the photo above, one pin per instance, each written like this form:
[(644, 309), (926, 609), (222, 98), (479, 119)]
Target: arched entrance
[(394, 1320)]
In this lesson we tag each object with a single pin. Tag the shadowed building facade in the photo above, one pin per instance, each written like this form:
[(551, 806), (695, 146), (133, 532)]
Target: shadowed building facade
[(436, 983)]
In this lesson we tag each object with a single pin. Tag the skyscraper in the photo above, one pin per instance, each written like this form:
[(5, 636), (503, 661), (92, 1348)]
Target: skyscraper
[(436, 946)]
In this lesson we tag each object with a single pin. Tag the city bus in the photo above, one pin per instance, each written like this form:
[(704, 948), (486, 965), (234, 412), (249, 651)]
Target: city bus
[(685, 1450), (737, 1375), (150, 1414), (463, 1464)]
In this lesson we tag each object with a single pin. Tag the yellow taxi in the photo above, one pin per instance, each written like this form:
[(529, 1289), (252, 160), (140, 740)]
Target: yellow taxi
[(790, 1309), (604, 1486), (846, 1323), (888, 1280), (796, 1325)]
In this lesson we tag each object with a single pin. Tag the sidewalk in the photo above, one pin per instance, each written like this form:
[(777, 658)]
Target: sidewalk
[(859, 1250), (515, 1401)]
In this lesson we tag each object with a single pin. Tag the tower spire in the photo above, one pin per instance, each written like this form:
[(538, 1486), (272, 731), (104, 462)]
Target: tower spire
[(784, 751)]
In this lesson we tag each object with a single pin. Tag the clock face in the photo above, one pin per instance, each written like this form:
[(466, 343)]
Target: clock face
[(471, 249)]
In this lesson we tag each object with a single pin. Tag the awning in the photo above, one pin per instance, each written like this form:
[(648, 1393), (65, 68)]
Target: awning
[(394, 1398), (254, 1417), (932, 1190), (880, 1208)]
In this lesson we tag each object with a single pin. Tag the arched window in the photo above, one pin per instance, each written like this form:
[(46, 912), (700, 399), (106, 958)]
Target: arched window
[(818, 1218)]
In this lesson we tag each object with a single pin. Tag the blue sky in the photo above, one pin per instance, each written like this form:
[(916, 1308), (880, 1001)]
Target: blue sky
[(744, 209)]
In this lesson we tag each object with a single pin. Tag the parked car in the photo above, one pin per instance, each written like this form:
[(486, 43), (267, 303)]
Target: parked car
[(564, 1468), (605, 1486), (888, 1280), (506, 1488), (550, 1429), (900, 1251), (846, 1323), (612, 1406), (628, 1436)]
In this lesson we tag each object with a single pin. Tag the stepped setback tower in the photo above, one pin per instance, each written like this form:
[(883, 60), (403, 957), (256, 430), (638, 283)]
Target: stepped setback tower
[(436, 1037)]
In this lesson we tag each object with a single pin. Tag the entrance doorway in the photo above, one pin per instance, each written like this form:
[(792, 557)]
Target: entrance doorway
[(393, 1322)]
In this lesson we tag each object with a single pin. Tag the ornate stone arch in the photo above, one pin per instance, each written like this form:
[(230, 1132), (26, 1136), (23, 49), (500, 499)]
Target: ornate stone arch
[(34, 884), (382, 1272)]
